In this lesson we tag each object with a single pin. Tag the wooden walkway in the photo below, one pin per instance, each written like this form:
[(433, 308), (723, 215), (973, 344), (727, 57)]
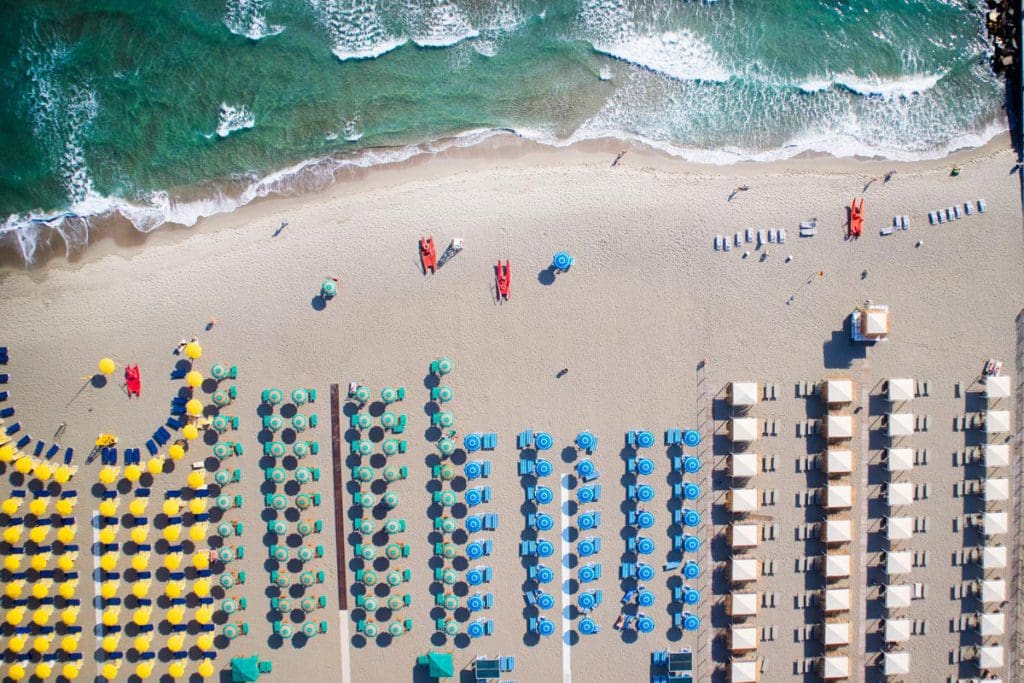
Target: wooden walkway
[(339, 497)]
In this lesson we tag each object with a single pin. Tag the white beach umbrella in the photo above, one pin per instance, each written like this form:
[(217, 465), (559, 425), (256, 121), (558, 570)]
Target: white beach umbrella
[(997, 421), (837, 566), (835, 668), (898, 562), (743, 671), (743, 535), (990, 656), (997, 489), (839, 461), (838, 391), (743, 394), (838, 496), (899, 528), (995, 523), (900, 493), (838, 531), (993, 624), (742, 604), (838, 427), (899, 459), (876, 321), (743, 429), (744, 570), (837, 633), (993, 557), (900, 424), (896, 663), (897, 596), (837, 600), (900, 389), (997, 455), (897, 630), (743, 500), (993, 591), (997, 386), (743, 638), (744, 465)]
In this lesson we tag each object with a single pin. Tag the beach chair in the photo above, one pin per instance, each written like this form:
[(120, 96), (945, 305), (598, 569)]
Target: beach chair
[(399, 427), (489, 441), (982, 208), (968, 209), (6, 412), (524, 439), (173, 423), (718, 243), (4, 378), (161, 436)]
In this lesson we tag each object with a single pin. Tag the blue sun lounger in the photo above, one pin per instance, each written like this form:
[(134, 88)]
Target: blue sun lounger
[(68, 454), (13, 429), (8, 411), (24, 441), (161, 436), (151, 447)]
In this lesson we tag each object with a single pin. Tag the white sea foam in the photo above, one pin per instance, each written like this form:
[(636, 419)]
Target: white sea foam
[(232, 118), (441, 24), (355, 28), (352, 133), (248, 18), (906, 86), (682, 56)]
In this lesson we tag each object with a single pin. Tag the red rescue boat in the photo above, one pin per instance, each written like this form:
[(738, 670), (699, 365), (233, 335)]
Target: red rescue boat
[(856, 218), (133, 380), (504, 278), (428, 255)]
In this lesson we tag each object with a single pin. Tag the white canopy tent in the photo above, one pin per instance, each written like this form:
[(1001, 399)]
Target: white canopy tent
[(743, 672), (900, 493), (839, 427), (743, 394), (838, 391), (899, 528), (837, 600), (992, 624), (997, 455), (743, 638), (995, 523), (993, 591), (838, 496), (990, 656), (744, 465), (897, 596), (897, 630), (896, 663), (839, 461), (837, 566), (997, 386), (742, 500), (837, 633), (899, 459), (743, 429), (997, 421), (835, 668), (743, 535), (838, 531), (744, 570), (900, 424), (898, 562), (997, 489), (993, 557), (900, 389), (742, 604)]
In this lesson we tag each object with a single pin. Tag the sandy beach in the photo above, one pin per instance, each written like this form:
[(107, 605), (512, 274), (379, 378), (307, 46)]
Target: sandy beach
[(651, 323)]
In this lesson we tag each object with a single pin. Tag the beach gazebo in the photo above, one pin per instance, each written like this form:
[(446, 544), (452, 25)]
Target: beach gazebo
[(896, 663), (744, 465), (990, 656), (997, 387), (743, 535), (836, 633), (839, 461), (994, 523), (743, 570), (742, 500), (837, 600), (997, 455), (839, 427), (742, 394), (993, 557), (837, 566), (899, 459), (438, 664), (899, 424), (838, 531), (835, 668), (899, 528), (742, 639), (897, 596), (900, 493), (898, 562), (742, 604), (744, 671), (997, 421), (993, 591), (992, 624), (870, 323), (743, 429), (898, 390), (838, 392), (838, 496), (897, 630), (997, 489)]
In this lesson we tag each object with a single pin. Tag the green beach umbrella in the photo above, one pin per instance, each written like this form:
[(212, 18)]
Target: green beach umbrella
[(363, 473), (449, 551), (305, 527), (393, 551), (367, 500), (370, 603), (390, 499), (368, 552), (370, 578), (277, 449), (278, 501), (283, 579), (390, 446), (299, 396), (392, 473), (364, 526), (393, 526), (274, 396), (221, 423), (225, 554), (229, 605), (222, 477), (274, 422), (303, 475), (370, 630), (286, 630), (388, 395), (448, 525), (224, 502), (396, 629), (300, 422), (446, 446), (309, 629), (439, 664), (307, 579), (305, 553), (451, 602), (448, 498), (300, 449), (451, 627), (449, 577), (445, 418), (280, 553), (388, 420), (444, 366), (394, 578), (219, 371), (284, 605), (362, 394), (303, 501), (225, 529), (445, 393), (221, 450), (364, 447), (329, 288), (221, 398), (278, 526), (364, 420), (447, 472), (307, 604), (277, 475), (230, 632)]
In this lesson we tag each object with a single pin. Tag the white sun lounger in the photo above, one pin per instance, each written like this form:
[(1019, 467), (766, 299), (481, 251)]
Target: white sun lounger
[(726, 245), (982, 206), (956, 211), (807, 230), (761, 238), (887, 231), (949, 214), (968, 209), (931, 218), (771, 235), (750, 235), (739, 238), (941, 216), (718, 243), (905, 221), (782, 235)]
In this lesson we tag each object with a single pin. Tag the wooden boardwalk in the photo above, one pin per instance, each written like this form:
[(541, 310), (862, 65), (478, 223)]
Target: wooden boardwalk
[(339, 496)]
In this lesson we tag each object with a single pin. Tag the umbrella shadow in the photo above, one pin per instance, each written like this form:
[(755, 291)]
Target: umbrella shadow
[(318, 302), (546, 276)]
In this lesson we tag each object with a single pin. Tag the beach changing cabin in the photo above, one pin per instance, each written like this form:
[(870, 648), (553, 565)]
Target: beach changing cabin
[(838, 496), (997, 387), (743, 535), (997, 421), (838, 531), (896, 663), (899, 424), (839, 461), (870, 323), (899, 459), (742, 639), (742, 605), (743, 671)]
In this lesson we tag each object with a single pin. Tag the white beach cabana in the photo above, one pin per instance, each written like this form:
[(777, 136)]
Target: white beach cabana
[(993, 557), (997, 421), (997, 489), (837, 600), (994, 523), (897, 596), (838, 531), (743, 570), (899, 459), (899, 389), (742, 639), (839, 461), (896, 663), (899, 528), (992, 624), (900, 493), (742, 604), (743, 429), (838, 392), (742, 500), (837, 566), (836, 633), (870, 323), (899, 424), (743, 394), (897, 630), (990, 656), (834, 668), (744, 465), (993, 591), (898, 562), (743, 671), (839, 427), (997, 387), (838, 496), (997, 455), (743, 535)]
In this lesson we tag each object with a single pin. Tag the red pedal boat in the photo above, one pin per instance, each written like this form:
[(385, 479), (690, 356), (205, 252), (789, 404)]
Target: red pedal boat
[(428, 255), (133, 380), (504, 277), (856, 218)]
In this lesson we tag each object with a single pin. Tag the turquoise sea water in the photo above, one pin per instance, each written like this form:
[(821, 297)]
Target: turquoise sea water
[(168, 110)]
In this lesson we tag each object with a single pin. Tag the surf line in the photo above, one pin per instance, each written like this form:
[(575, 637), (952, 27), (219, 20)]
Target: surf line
[(564, 577)]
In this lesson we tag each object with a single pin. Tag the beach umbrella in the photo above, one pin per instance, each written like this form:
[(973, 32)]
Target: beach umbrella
[(172, 532), (38, 506), (201, 587), (280, 553), (109, 670), (110, 615), (273, 396), (691, 437), (197, 532), (226, 553), (142, 642), (62, 474), (43, 670), (390, 499), (277, 475), (176, 451), (307, 579), (286, 630), (362, 394), (561, 260), (190, 432), (229, 605), (172, 561), (202, 561), (44, 471), (390, 446), (175, 616), (278, 501), (108, 589), (300, 449), (245, 669), (303, 501), (300, 422), (155, 465), (444, 366), (364, 447), (194, 407), (16, 672), (140, 589), (299, 396), (108, 508), (197, 506), (368, 552), (194, 379), (13, 589), (65, 507), (206, 666), (139, 534), (144, 669), (392, 473), (644, 439), (193, 350), (221, 423), (310, 629), (106, 366), (69, 643), (219, 371), (445, 446), (108, 475), (176, 642), (329, 288), (197, 479), (176, 669), (110, 642), (67, 589), (108, 561), (388, 395), (227, 580), (70, 671), (17, 642), (172, 507), (173, 589), (543, 441), (132, 473), (10, 506), (15, 615), (388, 419), (38, 560), (204, 615), (38, 534), (23, 465), (303, 475), (284, 605), (305, 553), (12, 534), (221, 398), (445, 393)]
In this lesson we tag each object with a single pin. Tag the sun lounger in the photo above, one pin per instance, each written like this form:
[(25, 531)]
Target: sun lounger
[(807, 230), (968, 209), (13, 429), (771, 235), (68, 455), (940, 216), (726, 246), (949, 214), (905, 222), (718, 243), (750, 235), (982, 208), (782, 236), (8, 411), (4, 378), (738, 239), (762, 238), (151, 447), (39, 448), (931, 217), (886, 231), (956, 212)]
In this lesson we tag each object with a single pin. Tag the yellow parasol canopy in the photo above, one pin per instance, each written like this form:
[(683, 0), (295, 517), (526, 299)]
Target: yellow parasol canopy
[(197, 532), (23, 465), (12, 534), (172, 532), (173, 561), (44, 670), (144, 669), (197, 506), (205, 642), (42, 643), (108, 589), (109, 671), (12, 563), (38, 560), (108, 475), (15, 615), (38, 534), (17, 642), (69, 643), (201, 560), (67, 589), (108, 561), (194, 379), (110, 615), (141, 616), (204, 615), (176, 451), (66, 534), (194, 407), (110, 642), (201, 587), (41, 589), (176, 669), (193, 350), (138, 506), (190, 432), (196, 479), (142, 643), (106, 366), (108, 534), (70, 671), (10, 506), (140, 589), (41, 617), (38, 506), (206, 666), (172, 506), (140, 561), (173, 589), (108, 508), (16, 672), (175, 616), (69, 615), (44, 471), (62, 475), (155, 465), (176, 642), (65, 507), (139, 534), (66, 561), (133, 473)]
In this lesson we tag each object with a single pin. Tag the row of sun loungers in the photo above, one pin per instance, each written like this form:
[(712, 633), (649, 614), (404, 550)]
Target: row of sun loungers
[(762, 236), (954, 212)]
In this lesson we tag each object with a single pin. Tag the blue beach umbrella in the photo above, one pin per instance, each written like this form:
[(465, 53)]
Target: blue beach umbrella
[(691, 518), (691, 622), (644, 492), (475, 603), (545, 626), (644, 545), (473, 470), (543, 468), (644, 572), (645, 439), (545, 548), (471, 442), (585, 468), (690, 464), (645, 624), (474, 523), (691, 544), (544, 522), (644, 466), (691, 491), (475, 629), (561, 260), (543, 441), (691, 437), (585, 441), (545, 601), (645, 598), (587, 601), (645, 519), (588, 626), (691, 596), (691, 570)]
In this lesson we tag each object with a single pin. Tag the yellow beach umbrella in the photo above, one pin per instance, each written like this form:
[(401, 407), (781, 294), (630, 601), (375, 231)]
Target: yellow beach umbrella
[(190, 432), (42, 643), (108, 475), (204, 642), (70, 671), (108, 561), (108, 534), (194, 407), (69, 615), (44, 471), (201, 561), (17, 672), (106, 366), (17, 642), (138, 506), (172, 507), (41, 589), (197, 506), (144, 669), (38, 506), (196, 479), (173, 561), (173, 589), (110, 616), (201, 587), (176, 451), (155, 465), (108, 508), (172, 533), (204, 615), (142, 643), (175, 616), (12, 534), (13, 589), (38, 534), (109, 670), (7, 452), (43, 670), (139, 534), (38, 560), (140, 589), (197, 532), (66, 561), (24, 465), (66, 533), (108, 589), (12, 563), (206, 666), (110, 642), (193, 350), (10, 506), (67, 589), (194, 379), (65, 507), (133, 473), (176, 670), (41, 616), (140, 561), (141, 616), (69, 643), (62, 474), (176, 642)]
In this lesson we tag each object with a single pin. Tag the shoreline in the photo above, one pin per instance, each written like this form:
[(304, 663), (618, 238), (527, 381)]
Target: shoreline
[(499, 149)]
